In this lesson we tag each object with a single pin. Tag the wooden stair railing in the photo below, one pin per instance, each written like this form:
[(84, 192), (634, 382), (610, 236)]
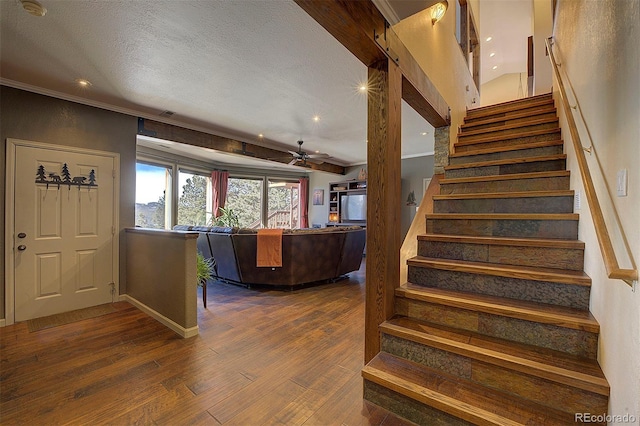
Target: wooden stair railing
[(614, 271)]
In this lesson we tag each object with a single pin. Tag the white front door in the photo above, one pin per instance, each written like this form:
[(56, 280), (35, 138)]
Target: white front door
[(63, 236)]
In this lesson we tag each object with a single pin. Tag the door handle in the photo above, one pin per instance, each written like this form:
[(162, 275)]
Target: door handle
[(22, 235), (22, 247)]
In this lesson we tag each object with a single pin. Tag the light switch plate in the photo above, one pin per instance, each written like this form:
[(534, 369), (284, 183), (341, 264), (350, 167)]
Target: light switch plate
[(622, 183)]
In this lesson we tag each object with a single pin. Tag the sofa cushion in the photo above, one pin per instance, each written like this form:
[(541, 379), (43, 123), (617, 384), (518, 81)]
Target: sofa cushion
[(223, 229), (183, 227)]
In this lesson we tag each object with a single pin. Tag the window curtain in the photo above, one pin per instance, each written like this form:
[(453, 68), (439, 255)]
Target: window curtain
[(219, 182), (304, 202)]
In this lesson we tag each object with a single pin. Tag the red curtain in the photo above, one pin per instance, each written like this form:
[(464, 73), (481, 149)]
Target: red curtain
[(304, 202), (219, 182)]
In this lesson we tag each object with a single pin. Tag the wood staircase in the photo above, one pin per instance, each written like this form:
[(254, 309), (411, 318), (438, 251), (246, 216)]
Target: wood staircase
[(493, 327)]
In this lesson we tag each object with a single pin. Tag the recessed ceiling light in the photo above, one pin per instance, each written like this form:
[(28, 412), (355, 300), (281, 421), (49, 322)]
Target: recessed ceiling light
[(83, 82), (261, 135), (363, 88), (317, 152), (33, 7), (495, 67), (424, 133), (316, 118), (492, 54), (489, 38)]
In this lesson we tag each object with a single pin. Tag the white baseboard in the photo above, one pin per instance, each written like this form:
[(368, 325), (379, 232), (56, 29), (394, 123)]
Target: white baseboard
[(180, 330)]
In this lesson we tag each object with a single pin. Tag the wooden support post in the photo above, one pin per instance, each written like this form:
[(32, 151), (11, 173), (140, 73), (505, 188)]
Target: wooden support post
[(383, 198)]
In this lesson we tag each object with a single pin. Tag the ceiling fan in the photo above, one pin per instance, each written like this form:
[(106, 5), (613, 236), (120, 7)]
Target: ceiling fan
[(302, 156)]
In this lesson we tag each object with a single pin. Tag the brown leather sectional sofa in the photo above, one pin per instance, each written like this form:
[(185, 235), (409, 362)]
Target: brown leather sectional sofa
[(308, 255)]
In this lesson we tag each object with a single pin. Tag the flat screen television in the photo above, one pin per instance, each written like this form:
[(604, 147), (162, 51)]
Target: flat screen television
[(353, 207)]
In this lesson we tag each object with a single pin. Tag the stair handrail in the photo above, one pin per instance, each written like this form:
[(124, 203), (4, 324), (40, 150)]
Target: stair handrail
[(604, 240)]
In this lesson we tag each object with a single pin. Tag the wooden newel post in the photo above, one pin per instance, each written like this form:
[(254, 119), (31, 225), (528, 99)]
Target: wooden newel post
[(383, 198)]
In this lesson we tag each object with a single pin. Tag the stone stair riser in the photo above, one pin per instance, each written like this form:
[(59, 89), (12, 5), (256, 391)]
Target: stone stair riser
[(505, 169), (576, 342), (533, 388), (539, 257), (469, 137), (512, 141), (508, 185), (553, 229), (408, 408), (571, 296), (496, 122), (505, 205), (504, 155)]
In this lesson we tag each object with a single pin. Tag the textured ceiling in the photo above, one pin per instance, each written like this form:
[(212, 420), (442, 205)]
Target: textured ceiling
[(236, 68)]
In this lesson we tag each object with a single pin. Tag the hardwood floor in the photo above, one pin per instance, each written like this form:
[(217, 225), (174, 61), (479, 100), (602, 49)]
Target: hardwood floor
[(262, 357)]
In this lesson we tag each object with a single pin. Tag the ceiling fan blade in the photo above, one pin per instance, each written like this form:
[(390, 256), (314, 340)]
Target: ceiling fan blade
[(322, 155), (293, 161), (315, 161), (295, 154)]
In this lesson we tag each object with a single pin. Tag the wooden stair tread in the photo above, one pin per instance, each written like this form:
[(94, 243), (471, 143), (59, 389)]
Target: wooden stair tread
[(512, 126), (506, 161), (521, 272), (506, 148), (510, 105), (503, 241), (498, 138), (546, 363), (529, 311), (504, 216), (522, 194), (461, 398), (546, 109), (513, 176)]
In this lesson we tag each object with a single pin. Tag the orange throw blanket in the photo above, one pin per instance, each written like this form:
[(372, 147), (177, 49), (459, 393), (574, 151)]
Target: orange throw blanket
[(269, 248)]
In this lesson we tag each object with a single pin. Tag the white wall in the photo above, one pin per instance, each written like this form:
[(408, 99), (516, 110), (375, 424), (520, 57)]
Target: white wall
[(542, 27), (598, 46), (505, 88), (414, 170), (320, 180), (437, 51)]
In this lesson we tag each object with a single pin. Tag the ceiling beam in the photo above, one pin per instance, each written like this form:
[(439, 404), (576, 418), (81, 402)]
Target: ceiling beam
[(360, 27), (183, 135)]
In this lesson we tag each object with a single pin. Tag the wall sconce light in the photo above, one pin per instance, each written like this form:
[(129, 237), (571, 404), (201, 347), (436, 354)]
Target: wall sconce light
[(333, 217), (438, 10), (33, 7)]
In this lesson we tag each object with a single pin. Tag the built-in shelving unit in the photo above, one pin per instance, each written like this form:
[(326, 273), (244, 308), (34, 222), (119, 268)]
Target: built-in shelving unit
[(343, 213)]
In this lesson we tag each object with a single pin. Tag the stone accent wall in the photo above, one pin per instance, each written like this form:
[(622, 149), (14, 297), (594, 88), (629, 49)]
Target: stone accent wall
[(441, 136)]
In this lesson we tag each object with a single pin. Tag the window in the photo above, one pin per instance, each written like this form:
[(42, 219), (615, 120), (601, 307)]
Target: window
[(468, 39), (153, 195), (170, 193), (194, 198), (244, 197), (284, 211)]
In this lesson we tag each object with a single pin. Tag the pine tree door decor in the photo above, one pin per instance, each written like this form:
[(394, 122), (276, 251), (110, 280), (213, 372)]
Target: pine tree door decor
[(64, 178)]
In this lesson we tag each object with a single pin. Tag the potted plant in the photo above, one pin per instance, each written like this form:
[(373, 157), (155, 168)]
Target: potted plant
[(227, 218), (204, 272)]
